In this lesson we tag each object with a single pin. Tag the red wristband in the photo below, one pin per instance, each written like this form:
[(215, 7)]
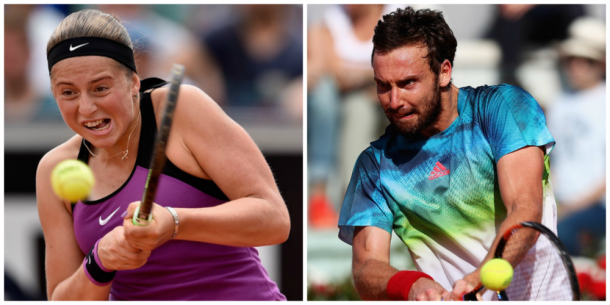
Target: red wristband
[(400, 284)]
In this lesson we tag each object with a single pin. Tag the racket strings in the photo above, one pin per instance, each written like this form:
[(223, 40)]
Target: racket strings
[(539, 273)]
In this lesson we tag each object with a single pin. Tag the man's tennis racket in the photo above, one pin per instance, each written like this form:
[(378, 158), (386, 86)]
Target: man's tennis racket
[(551, 262), (143, 213)]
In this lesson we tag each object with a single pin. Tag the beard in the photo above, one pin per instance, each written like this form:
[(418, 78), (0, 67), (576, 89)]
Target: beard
[(426, 116)]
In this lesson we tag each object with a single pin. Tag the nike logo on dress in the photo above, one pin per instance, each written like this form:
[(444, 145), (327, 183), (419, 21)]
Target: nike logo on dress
[(89, 260), (438, 171), (105, 221), (78, 46)]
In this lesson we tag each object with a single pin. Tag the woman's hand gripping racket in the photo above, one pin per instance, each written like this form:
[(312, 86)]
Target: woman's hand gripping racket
[(143, 213), (554, 277)]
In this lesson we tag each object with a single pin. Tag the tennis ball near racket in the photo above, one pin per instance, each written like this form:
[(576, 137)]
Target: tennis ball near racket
[(496, 274), (72, 180)]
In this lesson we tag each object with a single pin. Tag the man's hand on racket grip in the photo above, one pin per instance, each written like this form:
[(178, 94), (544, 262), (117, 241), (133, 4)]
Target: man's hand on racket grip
[(465, 285), (149, 237), (116, 253), (427, 290)]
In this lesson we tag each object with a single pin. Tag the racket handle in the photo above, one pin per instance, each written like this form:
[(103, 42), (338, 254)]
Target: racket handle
[(140, 222), (502, 296), (472, 296)]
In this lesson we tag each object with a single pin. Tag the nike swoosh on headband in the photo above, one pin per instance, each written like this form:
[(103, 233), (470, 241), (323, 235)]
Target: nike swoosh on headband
[(78, 46)]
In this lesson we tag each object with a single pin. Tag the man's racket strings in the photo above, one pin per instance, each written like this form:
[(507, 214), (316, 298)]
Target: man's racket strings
[(553, 264), (143, 213), (547, 273)]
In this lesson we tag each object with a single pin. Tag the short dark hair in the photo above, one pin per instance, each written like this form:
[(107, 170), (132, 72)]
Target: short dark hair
[(407, 27)]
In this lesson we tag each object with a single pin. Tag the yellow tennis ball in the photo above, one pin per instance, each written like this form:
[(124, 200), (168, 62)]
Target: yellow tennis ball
[(72, 180), (496, 274)]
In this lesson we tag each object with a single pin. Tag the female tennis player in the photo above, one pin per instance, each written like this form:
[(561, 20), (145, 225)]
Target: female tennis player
[(216, 198)]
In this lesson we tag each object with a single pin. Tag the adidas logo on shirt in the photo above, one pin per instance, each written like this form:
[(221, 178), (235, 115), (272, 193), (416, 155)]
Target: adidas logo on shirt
[(438, 171)]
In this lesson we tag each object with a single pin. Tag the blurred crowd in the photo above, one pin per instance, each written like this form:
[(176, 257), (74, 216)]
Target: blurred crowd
[(248, 58), (556, 52)]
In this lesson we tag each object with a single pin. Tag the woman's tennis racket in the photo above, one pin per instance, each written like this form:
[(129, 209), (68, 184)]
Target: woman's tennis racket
[(546, 274), (143, 213)]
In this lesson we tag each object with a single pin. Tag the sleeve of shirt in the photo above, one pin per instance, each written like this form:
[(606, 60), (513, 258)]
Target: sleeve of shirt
[(513, 120), (364, 203)]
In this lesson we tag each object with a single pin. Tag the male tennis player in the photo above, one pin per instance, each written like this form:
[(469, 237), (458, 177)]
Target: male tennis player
[(455, 167)]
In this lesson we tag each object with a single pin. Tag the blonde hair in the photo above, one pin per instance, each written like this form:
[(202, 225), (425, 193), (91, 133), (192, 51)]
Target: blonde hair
[(90, 23)]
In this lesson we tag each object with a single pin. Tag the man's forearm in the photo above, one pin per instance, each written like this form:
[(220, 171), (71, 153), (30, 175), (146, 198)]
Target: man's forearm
[(520, 213), (371, 279)]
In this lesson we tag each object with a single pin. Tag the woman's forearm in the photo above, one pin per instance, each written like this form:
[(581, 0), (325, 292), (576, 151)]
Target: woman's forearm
[(78, 287), (245, 222)]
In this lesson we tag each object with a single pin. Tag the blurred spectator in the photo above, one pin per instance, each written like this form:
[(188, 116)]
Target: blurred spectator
[(577, 121), (41, 22), (342, 103), (255, 61), (154, 57), (22, 99), (519, 28)]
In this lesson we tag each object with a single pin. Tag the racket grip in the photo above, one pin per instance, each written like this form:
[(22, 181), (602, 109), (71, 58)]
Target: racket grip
[(470, 296), (140, 222), (502, 296)]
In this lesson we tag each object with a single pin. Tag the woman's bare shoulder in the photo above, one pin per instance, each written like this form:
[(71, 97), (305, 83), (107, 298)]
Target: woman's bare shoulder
[(64, 151), (192, 103), (187, 93)]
